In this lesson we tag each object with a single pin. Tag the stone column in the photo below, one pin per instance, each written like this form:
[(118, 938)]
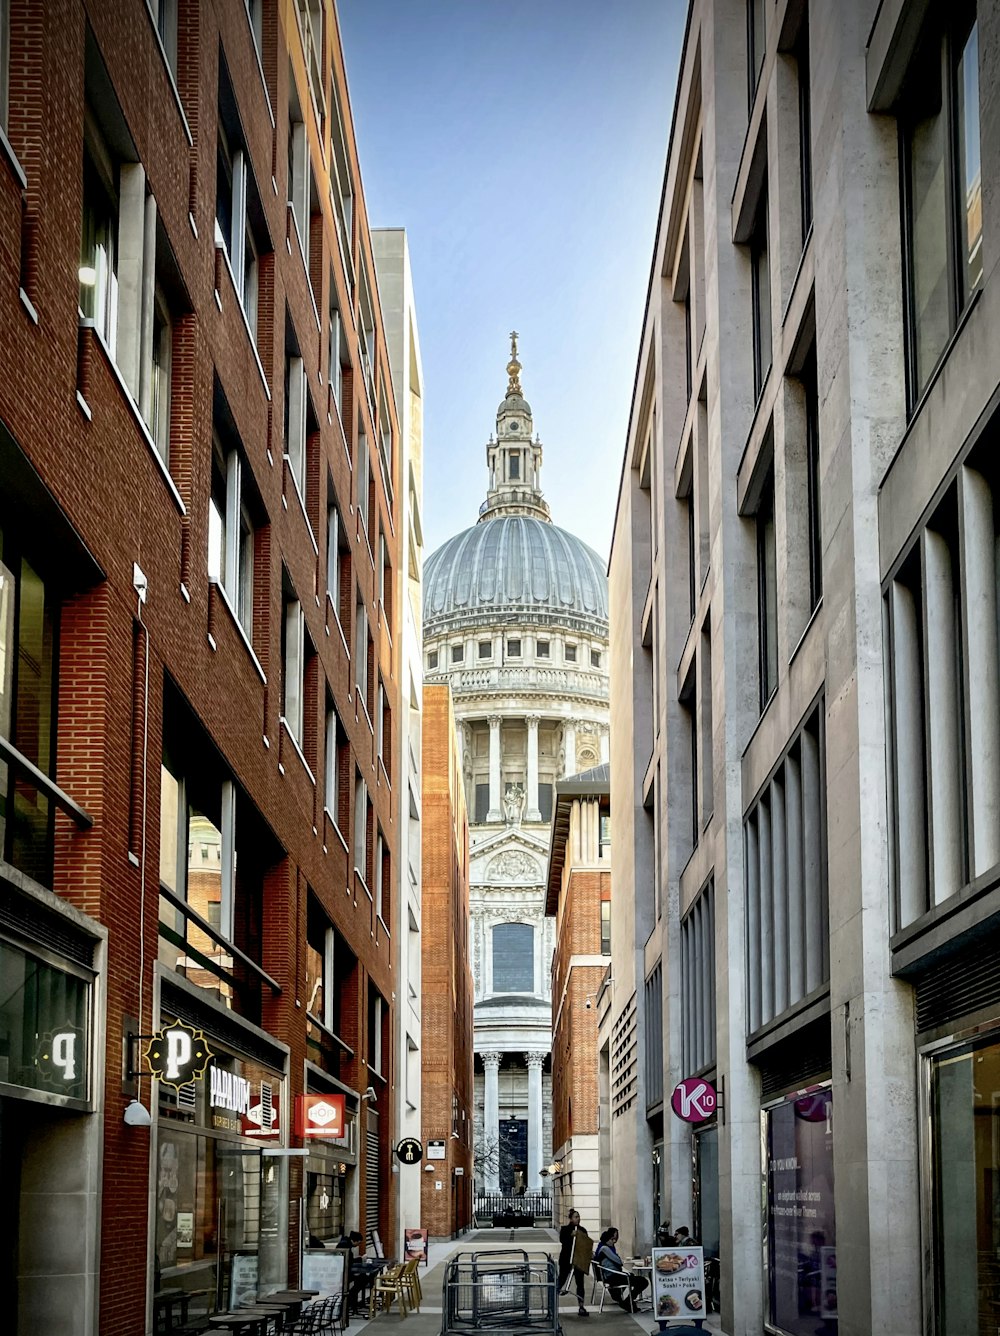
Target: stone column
[(569, 747), (533, 813), (535, 1062), (491, 1121), (605, 733), (494, 813)]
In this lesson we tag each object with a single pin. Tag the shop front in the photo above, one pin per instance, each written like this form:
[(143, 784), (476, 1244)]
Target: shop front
[(800, 1229), (51, 1021), (327, 1126), (220, 1181)]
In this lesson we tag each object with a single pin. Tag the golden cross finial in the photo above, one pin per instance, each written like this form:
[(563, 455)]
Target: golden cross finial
[(513, 366)]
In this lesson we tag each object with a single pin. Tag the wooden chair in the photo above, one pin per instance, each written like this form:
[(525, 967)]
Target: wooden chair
[(411, 1281), (388, 1285)]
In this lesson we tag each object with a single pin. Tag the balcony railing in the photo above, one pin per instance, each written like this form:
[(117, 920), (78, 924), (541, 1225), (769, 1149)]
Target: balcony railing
[(544, 681)]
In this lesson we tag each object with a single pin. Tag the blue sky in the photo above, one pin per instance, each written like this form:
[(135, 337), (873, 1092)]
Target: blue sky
[(521, 144)]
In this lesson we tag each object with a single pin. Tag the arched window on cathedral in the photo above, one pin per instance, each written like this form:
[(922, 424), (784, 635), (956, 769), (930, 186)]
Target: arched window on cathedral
[(514, 958)]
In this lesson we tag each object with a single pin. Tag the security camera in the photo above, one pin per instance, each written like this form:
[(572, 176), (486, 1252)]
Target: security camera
[(587, 1004), (370, 1094)]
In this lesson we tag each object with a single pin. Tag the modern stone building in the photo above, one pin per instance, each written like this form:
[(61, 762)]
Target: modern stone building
[(201, 509), (444, 1181), (578, 897), (515, 619), (805, 765), (395, 287)]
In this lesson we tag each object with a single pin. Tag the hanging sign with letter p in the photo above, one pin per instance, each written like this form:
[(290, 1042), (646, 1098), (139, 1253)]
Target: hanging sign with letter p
[(178, 1055)]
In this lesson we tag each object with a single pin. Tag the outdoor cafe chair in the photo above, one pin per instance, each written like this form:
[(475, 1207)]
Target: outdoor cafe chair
[(411, 1281), (386, 1287), (608, 1278)]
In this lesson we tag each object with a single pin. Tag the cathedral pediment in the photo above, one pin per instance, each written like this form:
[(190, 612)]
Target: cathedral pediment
[(511, 857)]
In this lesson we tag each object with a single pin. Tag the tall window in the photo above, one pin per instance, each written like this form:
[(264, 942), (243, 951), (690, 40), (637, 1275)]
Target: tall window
[(231, 532), (698, 983), (360, 656), (28, 677), (366, 338), (99, 245), (341, 188), (362, 479), (338, 564), (767, 592), (239, 225), (361, 806), (761, 296), (293, 650), (321, 985), (942, 195), (605, 927), (805, 126), (513, 958), (298, 166), (336, 744), (813, 483), (165, 12), (336, 352), (755, 45), (296, 405), (158, 412)]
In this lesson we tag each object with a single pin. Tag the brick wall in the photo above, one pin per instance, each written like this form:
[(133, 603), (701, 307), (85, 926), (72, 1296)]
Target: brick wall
[(446, 1065), (97, 461)]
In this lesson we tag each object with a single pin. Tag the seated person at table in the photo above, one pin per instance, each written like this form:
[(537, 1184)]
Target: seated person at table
[(358, 1270), (606, 1256)]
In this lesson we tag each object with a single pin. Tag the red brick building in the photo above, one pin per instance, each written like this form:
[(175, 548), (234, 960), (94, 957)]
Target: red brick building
[(578, 895), (446, 1195), (199, 520)]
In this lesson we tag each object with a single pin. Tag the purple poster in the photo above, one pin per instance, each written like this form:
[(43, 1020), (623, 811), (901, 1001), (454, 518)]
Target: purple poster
[(801, 1228)]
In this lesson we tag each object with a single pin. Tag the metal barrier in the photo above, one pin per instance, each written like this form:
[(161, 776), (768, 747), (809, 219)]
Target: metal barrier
[(501, 1206), (506, 1290)]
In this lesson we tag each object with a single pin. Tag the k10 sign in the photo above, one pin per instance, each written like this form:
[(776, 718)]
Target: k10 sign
[(694, 1100)]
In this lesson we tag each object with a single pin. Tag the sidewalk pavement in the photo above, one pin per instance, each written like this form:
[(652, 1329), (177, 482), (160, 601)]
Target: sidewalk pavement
[(614, 1321)]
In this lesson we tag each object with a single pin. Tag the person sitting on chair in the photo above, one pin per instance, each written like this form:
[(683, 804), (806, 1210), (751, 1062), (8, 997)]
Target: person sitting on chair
[(359, 1273), (624, 1288)]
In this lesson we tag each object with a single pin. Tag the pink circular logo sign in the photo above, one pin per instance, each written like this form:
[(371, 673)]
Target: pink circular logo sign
[(694, 1100)]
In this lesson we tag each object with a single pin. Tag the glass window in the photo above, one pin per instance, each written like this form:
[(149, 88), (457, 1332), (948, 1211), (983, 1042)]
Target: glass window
[(605, 927), (296, 398), (44, 1026), (99, 253), (545, 801), (362, 481), (801, 1224), (482, 807), (761, 297), (237, 204), (293, 665), (28, 621), (457, 653), (767, 593), (813, 483), (231, 532), (595, 658), (755, 44), (4, 61), (805, 126), (159, 398), (569, 653), (486, 649), (542, 649), (513, 958), (942, 220), (432, 659), (965, 1186), (360, 827), (514, 648)]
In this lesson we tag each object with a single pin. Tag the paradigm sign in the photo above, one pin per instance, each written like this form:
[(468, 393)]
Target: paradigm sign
[(178, 1055), (694, 1100)]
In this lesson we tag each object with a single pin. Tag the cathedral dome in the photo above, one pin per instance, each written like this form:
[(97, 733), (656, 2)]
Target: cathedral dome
[(514, 565)]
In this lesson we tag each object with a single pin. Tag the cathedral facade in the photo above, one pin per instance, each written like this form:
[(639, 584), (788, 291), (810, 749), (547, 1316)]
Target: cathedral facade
[(516, 620)]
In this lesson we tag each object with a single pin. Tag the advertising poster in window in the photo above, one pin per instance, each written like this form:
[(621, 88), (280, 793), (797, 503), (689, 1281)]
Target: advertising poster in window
[(243, 1280), (801, 1226), (678, 1283)]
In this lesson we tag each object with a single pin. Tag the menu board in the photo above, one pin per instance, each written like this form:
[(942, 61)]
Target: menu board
[(324, 1271), (243, 1280), (678, 1284)]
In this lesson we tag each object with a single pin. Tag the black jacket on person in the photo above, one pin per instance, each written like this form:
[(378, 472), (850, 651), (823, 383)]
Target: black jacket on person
[(566, 1237)]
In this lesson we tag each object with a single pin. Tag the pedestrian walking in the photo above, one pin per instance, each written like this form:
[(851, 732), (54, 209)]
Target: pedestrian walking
[(571, 1245)]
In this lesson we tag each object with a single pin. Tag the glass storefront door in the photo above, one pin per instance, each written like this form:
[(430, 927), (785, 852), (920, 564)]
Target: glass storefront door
[(965, 1188)]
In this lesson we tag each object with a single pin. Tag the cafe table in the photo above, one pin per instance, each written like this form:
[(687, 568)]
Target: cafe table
[(251, 1321)]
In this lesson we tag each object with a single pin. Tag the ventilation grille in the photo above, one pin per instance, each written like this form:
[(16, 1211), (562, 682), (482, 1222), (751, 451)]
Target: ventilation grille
[(624, 1067), (27, 917), (372, 1193), (798, 1061), (962, 984)]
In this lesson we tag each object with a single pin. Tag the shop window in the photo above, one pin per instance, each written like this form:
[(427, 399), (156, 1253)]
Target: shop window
[(28, 684), (801, 1226), (942, 187), (513, 958), (698, 983), (40, 999), (231, 528)]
